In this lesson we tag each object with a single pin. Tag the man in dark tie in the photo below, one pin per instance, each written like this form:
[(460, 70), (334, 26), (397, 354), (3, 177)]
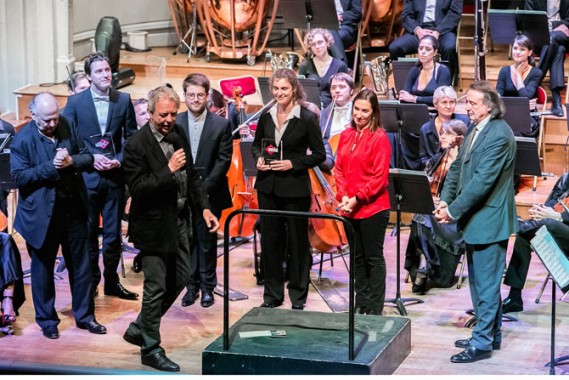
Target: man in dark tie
[(211, 143), (163, 181), (479, 194), (438, 18), (46, 160), (104, 118), (553, 56)]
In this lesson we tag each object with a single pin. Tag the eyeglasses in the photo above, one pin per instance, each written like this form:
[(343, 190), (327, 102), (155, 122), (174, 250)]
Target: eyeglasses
[(200, 96)]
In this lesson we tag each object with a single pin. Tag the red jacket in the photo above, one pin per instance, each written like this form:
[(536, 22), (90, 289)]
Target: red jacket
[(362, 169)]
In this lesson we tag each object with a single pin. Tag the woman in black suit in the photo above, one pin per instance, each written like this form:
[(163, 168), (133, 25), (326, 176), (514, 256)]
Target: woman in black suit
[(285, 135)]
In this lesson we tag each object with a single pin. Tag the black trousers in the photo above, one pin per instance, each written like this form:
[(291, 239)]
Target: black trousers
[(370, 263), (107, 201), (553, 59), (518, 267), (165, 276), (68, 229), (203, 260), (282, 236), (409, 43)]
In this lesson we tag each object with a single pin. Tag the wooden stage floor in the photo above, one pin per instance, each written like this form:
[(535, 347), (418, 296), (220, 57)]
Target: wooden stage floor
[(436, 324)]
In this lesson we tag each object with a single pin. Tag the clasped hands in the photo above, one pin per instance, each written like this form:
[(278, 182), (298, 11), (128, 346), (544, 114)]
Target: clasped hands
[(62, 159), (347, 205), (102, 163), (275, 165), (441, 212), (420, 32)]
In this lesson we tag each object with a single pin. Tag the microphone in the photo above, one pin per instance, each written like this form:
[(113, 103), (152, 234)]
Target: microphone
[(174, 139)]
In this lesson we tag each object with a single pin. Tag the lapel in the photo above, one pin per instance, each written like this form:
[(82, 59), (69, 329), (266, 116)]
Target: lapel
[(113, 100), (39, 148), (90, 107), (183, 122), (205, 136), (154, 146)]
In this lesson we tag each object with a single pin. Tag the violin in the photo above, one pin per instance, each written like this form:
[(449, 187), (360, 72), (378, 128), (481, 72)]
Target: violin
[(438, 172), (325, 235)]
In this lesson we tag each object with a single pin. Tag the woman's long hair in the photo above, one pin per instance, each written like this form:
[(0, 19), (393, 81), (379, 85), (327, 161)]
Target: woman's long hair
[(371, 97), (298, 94)]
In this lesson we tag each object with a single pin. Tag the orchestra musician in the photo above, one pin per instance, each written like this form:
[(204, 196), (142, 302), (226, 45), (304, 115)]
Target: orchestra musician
[(320, 65), (444, 99), (434, 251), (78, 82), (553, 56), (479, 195), (210, 139), (288, 129), (438, 18), (361, 172), (337, 116), (550, 214), (163, 181), (522, 78), (104, 118), (426, 76), (349, 15)]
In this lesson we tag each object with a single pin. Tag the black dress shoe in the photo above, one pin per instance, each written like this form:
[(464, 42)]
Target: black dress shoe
[(121, 292), (511, 305), (374, 312), (160, 362), (94, 327), (471, 355), (189, 298), (465, 343), (207, 299), (361, 310), (137, 264), (51, 332), (272, 304), (297, 307), (133, 339), (556, 109)]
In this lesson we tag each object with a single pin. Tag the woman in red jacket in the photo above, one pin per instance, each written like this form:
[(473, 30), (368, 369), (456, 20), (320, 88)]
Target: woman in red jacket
[(362, 169)]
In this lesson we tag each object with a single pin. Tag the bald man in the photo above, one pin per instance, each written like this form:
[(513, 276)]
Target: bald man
[(46, 159)]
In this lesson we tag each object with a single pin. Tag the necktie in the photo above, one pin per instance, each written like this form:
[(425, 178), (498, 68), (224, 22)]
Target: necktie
[(101, 99)]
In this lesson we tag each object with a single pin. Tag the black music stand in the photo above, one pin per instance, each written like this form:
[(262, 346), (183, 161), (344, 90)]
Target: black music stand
[(557, 265), (401, 68), (527, 158), (505, 24), (309, 14), (404, 120), (6, 182), (409, 191), (517, 114), (310, 87)]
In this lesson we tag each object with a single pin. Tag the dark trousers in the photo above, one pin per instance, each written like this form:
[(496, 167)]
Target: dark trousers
[(203, 260), (68, 229), (521, 256), (370, 263), (165, 276), (107, 201), (486, 264), (409, 43), (282, 236), (344, 37), (553, 60)]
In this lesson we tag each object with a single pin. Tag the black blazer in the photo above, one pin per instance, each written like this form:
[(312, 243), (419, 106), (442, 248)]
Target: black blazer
[(541, 5), (352, 12), (447, 15), (300, 134), (153, 212), (121, 124), (35, 175), (213, 158)]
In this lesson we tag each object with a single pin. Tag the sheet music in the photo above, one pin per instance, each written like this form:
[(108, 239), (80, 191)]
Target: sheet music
[(552, 257)]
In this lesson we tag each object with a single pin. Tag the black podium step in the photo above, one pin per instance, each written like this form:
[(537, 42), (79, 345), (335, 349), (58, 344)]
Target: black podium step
[(315, 343)]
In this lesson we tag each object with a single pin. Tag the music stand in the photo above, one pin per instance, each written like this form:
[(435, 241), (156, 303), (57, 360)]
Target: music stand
[(557, 265), (310, 87), (409, 191), (314, 14), (404, 120), (527, 158), (506, 24), (517, 114), (6, 182), (401, 68)]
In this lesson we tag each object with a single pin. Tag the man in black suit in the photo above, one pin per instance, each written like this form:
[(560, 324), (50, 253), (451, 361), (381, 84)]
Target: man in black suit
[(211, 144), (349, 15), (46, 160), (553, 56), (439, 18), (104, 118), (163, 182)]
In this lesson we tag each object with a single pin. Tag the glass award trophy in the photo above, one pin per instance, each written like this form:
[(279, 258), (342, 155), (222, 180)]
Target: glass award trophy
[(104, 145), (271, 151)]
